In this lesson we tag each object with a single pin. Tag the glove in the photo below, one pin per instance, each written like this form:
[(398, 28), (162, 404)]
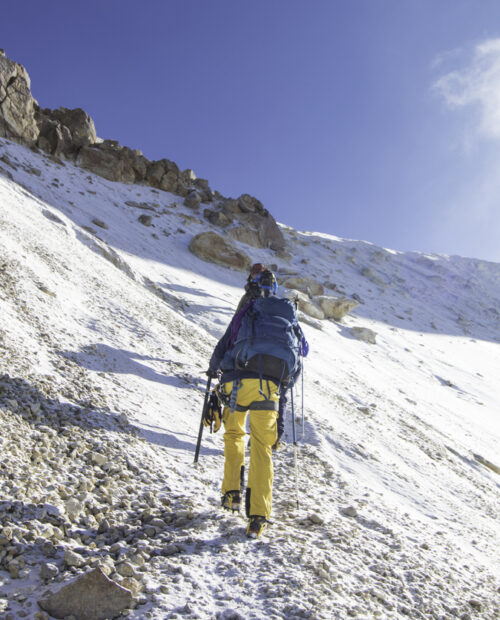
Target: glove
[(213, 413), (212, 373)]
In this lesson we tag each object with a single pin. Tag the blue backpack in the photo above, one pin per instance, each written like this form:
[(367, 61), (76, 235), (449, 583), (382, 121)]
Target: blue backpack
[(268, 342)]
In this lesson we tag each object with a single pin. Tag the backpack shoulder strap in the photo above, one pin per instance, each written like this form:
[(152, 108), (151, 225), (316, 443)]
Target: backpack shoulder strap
[(237, 321)]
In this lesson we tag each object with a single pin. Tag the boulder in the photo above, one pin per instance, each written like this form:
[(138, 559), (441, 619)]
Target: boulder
[(48, 571), (73, 559), (17, 106), (202, 185), (79, 123), (169, 181), (217, 218), (267, 229), (304, 284), (188, 177), (163, 174), (249, 204), (308, 320), (231, 208), (140, 165), (364, 334), (145, 220), (155, 172), (334, 307), (305, 305), (349, 511), (53, 138), (204, 190), (75, 125), (245, 235), (311, 308), (185, 183), (210, 246), (192, 200), (108, 161), (247, 213), (90, 597)]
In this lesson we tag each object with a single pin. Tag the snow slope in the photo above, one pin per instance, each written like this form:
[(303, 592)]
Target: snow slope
[(399, 484)]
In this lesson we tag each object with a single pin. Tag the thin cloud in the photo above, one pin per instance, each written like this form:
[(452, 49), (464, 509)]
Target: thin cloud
[(477, 84), (441, 60), (467, 213)]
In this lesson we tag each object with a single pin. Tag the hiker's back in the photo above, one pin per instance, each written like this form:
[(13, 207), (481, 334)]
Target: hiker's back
[(268, 341)]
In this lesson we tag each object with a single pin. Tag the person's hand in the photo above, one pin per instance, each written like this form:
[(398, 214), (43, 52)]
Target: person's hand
[(213, 414), (212, 374)]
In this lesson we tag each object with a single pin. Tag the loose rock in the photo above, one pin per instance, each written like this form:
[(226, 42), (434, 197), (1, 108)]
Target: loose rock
[(90, 597), (48, 571), (349, 511), (364, 334)]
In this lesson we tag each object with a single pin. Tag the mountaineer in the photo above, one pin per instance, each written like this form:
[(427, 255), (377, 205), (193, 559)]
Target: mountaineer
[(259, 357)]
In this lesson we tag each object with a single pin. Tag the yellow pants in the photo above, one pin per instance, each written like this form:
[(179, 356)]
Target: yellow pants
[(263, 434)]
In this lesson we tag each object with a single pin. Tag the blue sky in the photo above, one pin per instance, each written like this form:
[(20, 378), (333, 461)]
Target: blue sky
[(366, 119)]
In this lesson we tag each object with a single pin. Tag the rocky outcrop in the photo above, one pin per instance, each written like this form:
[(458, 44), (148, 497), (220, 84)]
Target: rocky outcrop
[(91, 597), (17, 106), (212, 247), (71, 134), (122, 164), (247, 221)]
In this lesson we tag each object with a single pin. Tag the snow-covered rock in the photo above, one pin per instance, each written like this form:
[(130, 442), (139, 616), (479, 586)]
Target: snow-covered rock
[(364, 334), (334, 307), (212, 247)]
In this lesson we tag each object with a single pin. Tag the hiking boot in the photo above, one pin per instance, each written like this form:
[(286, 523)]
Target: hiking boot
[(231, 501), (256, 525)]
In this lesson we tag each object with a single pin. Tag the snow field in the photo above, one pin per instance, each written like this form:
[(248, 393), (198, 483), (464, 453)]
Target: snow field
[(397, 515)]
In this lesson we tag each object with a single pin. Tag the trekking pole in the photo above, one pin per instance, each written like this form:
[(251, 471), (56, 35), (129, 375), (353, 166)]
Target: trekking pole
[(302, 396), (295, 450), (200, 432)]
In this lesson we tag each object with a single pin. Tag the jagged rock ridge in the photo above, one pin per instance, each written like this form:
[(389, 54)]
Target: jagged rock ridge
[(71, 134)]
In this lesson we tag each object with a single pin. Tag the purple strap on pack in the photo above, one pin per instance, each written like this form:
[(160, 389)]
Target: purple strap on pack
[(236, 323)]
